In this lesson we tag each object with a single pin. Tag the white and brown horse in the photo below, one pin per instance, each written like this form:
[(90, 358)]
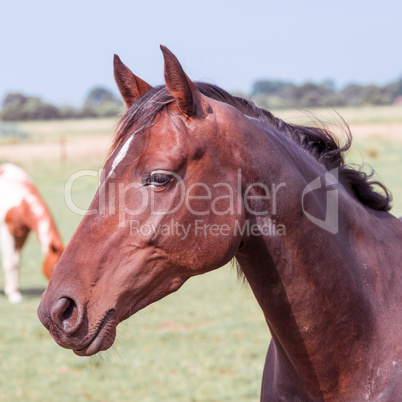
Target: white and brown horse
[(22, 209)]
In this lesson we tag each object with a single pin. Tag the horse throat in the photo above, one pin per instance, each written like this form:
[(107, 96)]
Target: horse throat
[(306, 279)]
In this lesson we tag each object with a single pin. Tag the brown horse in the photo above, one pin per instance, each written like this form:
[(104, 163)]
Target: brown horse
[(22, 209), (196, 177)]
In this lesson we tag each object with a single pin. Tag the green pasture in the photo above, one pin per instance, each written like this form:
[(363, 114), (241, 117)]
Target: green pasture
[(206, 342)]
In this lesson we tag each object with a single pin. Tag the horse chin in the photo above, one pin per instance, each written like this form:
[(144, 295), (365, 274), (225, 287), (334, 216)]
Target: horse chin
[(103, 338)]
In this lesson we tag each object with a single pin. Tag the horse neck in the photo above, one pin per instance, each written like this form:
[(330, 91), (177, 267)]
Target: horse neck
[(308, 281), (39, 220)]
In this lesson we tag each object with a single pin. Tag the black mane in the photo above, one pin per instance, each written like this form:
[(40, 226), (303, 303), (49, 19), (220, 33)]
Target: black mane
[(319, 142)]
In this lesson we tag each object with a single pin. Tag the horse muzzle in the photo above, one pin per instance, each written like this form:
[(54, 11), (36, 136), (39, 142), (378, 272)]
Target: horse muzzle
[(67, 322)]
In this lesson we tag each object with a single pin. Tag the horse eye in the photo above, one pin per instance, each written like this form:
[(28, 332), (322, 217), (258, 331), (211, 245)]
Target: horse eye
[(159, 179)]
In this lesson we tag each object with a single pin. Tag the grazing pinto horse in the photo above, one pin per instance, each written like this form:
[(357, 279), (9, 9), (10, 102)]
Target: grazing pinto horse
[(22, 210), (311, 236)]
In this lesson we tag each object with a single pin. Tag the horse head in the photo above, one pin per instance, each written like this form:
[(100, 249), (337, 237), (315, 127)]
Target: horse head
[(171, 176)]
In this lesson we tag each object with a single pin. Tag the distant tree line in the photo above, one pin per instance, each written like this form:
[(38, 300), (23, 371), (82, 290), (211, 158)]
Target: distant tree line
[(278, 94), (100, 102), (270, 94)]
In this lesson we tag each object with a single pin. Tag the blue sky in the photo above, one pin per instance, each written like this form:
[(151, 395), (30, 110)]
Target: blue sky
[(59, 50)]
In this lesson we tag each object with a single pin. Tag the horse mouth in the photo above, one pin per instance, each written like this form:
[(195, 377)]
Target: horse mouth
[(103, 337)]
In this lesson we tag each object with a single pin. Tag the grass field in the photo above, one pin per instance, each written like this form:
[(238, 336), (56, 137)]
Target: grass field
[(207, 342)]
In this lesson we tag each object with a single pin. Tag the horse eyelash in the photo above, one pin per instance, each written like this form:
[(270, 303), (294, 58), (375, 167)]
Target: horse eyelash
[(147, 181)]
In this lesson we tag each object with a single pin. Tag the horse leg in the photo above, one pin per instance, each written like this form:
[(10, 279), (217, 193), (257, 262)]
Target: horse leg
[(11, 259)]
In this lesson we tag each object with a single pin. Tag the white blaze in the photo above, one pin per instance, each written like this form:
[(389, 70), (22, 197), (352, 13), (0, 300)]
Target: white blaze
[(121, 154)]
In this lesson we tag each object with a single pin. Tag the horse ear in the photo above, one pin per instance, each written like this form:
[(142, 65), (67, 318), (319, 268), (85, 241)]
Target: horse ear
[(130, 86), (187, 96)]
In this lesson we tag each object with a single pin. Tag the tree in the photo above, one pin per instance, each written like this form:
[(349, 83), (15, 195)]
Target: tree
[(101, 102), (20, 107), (268, 87), (398, 88), (375, 95)]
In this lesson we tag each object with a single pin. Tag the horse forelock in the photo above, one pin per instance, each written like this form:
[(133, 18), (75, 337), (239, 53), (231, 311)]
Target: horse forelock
[(140, 115), (318, 141)]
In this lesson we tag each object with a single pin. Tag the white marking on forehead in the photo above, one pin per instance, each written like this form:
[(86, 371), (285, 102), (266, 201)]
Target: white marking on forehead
[(121, 154)]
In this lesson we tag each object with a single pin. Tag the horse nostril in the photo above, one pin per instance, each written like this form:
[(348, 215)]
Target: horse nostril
[(69, 311), (66, 314)]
